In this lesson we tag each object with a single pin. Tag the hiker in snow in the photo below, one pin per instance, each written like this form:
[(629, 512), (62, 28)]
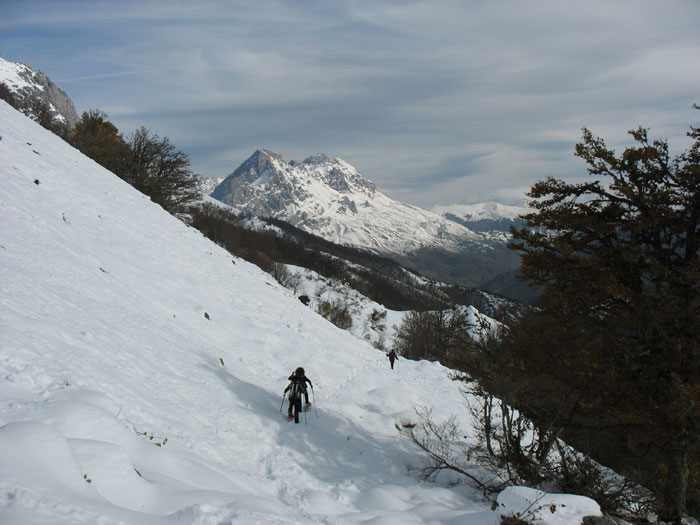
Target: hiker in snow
[(300, 375), (392, 357), (294, 392)]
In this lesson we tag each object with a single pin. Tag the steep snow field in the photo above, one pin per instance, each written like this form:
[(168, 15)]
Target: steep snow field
[(142, 371)]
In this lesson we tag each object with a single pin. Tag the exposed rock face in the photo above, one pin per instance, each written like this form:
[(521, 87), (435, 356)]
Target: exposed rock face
[(206, 185), (30, 86)]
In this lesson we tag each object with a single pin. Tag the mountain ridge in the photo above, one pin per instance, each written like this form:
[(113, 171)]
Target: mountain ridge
[(330, 198), (30, 86)]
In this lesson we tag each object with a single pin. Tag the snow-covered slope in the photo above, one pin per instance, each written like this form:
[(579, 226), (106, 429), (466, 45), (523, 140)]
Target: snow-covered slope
[(28, 86), (142, 369), (329, 198), (371, 321)]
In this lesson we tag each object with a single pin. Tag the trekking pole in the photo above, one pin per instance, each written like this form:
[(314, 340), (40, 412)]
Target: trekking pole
[(314, 397), (282, 404)]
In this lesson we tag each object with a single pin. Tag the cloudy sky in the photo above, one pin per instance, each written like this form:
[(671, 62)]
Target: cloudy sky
[(436, 101)]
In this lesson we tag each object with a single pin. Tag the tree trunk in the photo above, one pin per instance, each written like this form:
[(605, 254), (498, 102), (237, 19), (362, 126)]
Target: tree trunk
[(673, 507)]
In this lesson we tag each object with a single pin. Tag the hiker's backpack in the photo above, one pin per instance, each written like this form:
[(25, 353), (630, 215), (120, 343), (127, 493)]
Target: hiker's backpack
[(296, 389)]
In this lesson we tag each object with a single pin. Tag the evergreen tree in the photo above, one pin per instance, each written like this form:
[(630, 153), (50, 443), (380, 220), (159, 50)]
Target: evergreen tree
[(614, 352), (99, 139), (7, 95)]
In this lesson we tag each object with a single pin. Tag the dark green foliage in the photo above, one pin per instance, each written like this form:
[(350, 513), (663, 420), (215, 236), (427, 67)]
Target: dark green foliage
[(507, 446), (7, 95), (99, 139), (613, 356), (41, 113)]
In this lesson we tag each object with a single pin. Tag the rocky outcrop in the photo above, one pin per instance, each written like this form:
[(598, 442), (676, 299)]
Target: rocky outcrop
[(30, 87)]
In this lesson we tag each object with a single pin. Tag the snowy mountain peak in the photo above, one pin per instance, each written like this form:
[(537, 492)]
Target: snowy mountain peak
[(491, 219), (28, 86), (319, 158), (331, 199), (482, 211), (258, 163)]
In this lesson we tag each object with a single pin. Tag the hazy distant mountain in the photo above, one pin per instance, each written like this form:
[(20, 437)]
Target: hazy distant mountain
[(481, 211), (492, 219), (207, 185), (29, 87)]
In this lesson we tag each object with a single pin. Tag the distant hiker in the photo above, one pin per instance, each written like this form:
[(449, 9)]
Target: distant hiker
[(392, 357), (294, 392)]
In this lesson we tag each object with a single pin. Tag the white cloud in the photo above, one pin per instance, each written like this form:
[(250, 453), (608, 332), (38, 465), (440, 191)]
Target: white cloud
[(402, 90)]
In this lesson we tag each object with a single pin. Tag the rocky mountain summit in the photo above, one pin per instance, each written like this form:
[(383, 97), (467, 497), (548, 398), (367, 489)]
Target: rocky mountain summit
[(331, 199), (33, 88)]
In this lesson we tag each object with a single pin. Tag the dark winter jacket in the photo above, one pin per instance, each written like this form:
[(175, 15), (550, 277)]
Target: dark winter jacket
[(301, 379)]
